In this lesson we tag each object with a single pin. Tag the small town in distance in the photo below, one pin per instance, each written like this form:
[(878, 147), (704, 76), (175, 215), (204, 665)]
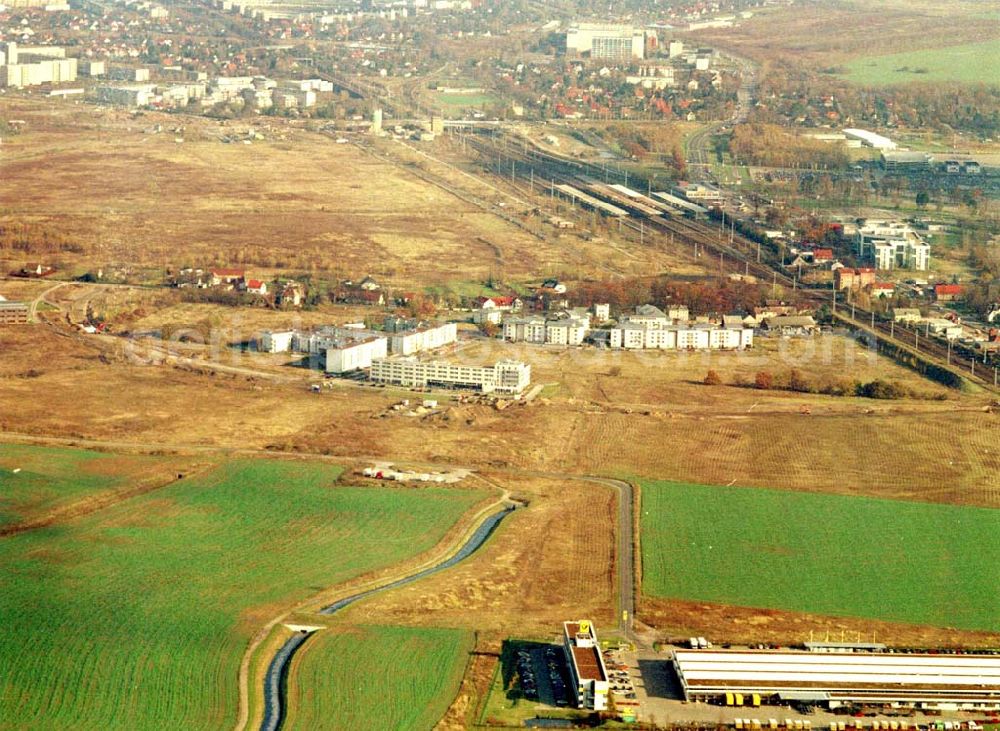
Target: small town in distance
[(494, 364)]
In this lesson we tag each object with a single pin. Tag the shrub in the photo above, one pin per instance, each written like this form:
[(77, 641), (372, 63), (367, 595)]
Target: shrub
[(764, 381), (712, 378), (797, 382)]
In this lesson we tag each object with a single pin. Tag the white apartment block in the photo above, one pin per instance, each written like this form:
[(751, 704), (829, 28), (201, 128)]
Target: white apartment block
[(344, 356), (271, 341), (631, 336), (409, 342), (487, 314), (608, 42), (136, 95), (317, 341), (559, 331), (506, 377), (23, 66), (893, 245)]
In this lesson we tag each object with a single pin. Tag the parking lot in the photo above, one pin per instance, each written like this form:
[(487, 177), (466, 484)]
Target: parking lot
[(543, 675)]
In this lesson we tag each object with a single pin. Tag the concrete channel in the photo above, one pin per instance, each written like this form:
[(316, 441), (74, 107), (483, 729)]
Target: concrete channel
[(276, 680)]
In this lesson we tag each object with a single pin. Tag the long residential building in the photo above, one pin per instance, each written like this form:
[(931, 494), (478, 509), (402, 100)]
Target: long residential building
[(945, 682), (507, 377), (586, 664), (347, 354), (632, 336), (554, 331), (409, 342), (13, 313)]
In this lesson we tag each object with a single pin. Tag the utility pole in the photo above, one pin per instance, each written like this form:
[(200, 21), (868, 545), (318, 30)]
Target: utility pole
[(948, 361)]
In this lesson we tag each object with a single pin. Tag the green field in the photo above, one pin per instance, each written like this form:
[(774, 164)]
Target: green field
[(969, 63), (829, 554), (49, 478), (136, 617), (363, 678), (464, 100)]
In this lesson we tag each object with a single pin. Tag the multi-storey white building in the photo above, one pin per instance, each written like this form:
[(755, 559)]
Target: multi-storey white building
[(271, 341), (135, 95), (348, 354), (632, 336), (893, 245), (583, 654), (22, 66), (508, 377), (409, 342), (609, 42), (569, 330)]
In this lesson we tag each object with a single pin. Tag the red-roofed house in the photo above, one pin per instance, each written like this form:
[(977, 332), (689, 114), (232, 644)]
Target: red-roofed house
[(256, 286), (883, 289), (948, 292), (510, 303), (822, 255)]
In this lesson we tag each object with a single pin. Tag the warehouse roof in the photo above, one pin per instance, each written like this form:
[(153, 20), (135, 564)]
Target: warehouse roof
[(887, 673)]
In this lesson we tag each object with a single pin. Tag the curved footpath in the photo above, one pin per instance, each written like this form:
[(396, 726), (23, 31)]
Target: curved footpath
[(275, 680)]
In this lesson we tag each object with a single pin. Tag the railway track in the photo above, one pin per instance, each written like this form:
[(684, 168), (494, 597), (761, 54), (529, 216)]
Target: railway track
[(743, 256), (522, 161)]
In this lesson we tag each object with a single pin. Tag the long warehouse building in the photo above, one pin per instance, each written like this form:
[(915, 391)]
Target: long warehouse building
[(945, 682)]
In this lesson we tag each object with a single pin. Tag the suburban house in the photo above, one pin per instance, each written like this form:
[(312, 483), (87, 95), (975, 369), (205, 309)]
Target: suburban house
[(798, 325), (883, 289), (228, 277), (369, 285), (554, 285), (948, 292), (291, 294), (504, 304), (906, 314), (256, 286), (35, 270)]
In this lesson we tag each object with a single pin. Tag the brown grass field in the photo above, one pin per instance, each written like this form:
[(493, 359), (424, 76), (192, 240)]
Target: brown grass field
[(613, 414), (295, 201), (823, 34)]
